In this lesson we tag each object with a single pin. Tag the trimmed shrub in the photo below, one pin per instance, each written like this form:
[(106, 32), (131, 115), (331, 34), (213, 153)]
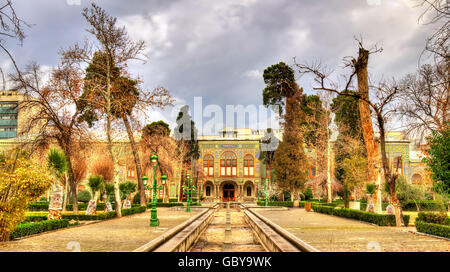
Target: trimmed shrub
[(35, 218), (171, 200), (38, 227), (84, 196), (435, 218), (323, 209), (433, 229), (277, 203), (162, 204), (38, 206), (424, 205), (134, 210), (80, 217), (378, 219)]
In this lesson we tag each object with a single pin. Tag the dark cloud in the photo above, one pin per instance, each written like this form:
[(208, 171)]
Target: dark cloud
[(217, 49)]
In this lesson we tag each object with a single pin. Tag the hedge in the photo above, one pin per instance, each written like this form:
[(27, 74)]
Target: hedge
[(433, 229), (378, 219), (435, 218), (277, 203), (103, 216), (43, 206), (163, 204), (38, 227), (424, 205), (35, 218)]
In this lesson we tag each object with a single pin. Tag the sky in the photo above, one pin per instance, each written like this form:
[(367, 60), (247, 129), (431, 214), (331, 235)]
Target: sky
[(217, 50)]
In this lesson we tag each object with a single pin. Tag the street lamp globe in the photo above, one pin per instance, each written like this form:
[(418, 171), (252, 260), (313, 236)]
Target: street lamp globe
[(145, 179), (154, 160), (163, 179)]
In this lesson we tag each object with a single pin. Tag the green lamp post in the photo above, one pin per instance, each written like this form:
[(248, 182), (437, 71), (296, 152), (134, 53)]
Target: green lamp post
[(188, 189), (154, 221)]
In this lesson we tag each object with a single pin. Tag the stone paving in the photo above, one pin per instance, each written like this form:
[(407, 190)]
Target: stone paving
[(333, 234), (242, 236), (115, 235)]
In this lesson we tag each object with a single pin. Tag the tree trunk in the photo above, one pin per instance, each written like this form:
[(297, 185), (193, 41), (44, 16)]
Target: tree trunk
[(73, 186), (108, 134), (137, 161), (66, 190), (390, 178), (366, 120)]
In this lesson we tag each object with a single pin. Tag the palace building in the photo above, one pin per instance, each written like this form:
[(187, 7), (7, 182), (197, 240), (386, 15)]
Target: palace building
[(231, 166)]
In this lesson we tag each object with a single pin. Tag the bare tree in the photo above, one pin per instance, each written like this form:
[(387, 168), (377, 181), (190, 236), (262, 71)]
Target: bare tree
[(435, 12), (53, 112), (425, 99), (385, 93), (114, 42)]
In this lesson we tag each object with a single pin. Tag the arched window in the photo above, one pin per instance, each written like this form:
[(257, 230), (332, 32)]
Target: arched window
[(249, 191), (228, 164), (208, 190), (249, 166), (208, 166)]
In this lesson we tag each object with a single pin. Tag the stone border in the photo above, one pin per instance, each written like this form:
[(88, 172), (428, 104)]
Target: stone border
[(429, 235), (294, 240), (165, 237)]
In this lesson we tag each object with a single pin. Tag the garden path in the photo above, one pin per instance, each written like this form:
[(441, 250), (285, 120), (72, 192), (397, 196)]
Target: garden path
[(122, 234), (334, 234)]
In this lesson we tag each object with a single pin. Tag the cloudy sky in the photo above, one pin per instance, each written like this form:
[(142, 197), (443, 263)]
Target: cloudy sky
[(218, 50)]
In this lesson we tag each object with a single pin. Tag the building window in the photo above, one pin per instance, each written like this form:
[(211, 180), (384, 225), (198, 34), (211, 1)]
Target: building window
[(249, 166), (416, 179), (208, 166), (398, 165), (228, 164), (249, 191), (208, 191), (312, 171), (130, 172)]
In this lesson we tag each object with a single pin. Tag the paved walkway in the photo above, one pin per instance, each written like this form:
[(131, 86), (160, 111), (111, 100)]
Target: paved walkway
[(331, 233), (124, 234)]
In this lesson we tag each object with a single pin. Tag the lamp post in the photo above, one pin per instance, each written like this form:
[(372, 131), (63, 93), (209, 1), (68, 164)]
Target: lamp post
[(154, 221), (188, 189)]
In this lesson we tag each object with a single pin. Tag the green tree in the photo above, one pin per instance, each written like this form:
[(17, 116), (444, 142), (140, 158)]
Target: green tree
[(438, 160), (280, 84), (350, 140), (96, 184), (409, 192), (57, 162), (127, 188)]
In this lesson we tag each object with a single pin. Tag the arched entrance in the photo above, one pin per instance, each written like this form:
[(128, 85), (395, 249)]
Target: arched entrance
[(228, 193)]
